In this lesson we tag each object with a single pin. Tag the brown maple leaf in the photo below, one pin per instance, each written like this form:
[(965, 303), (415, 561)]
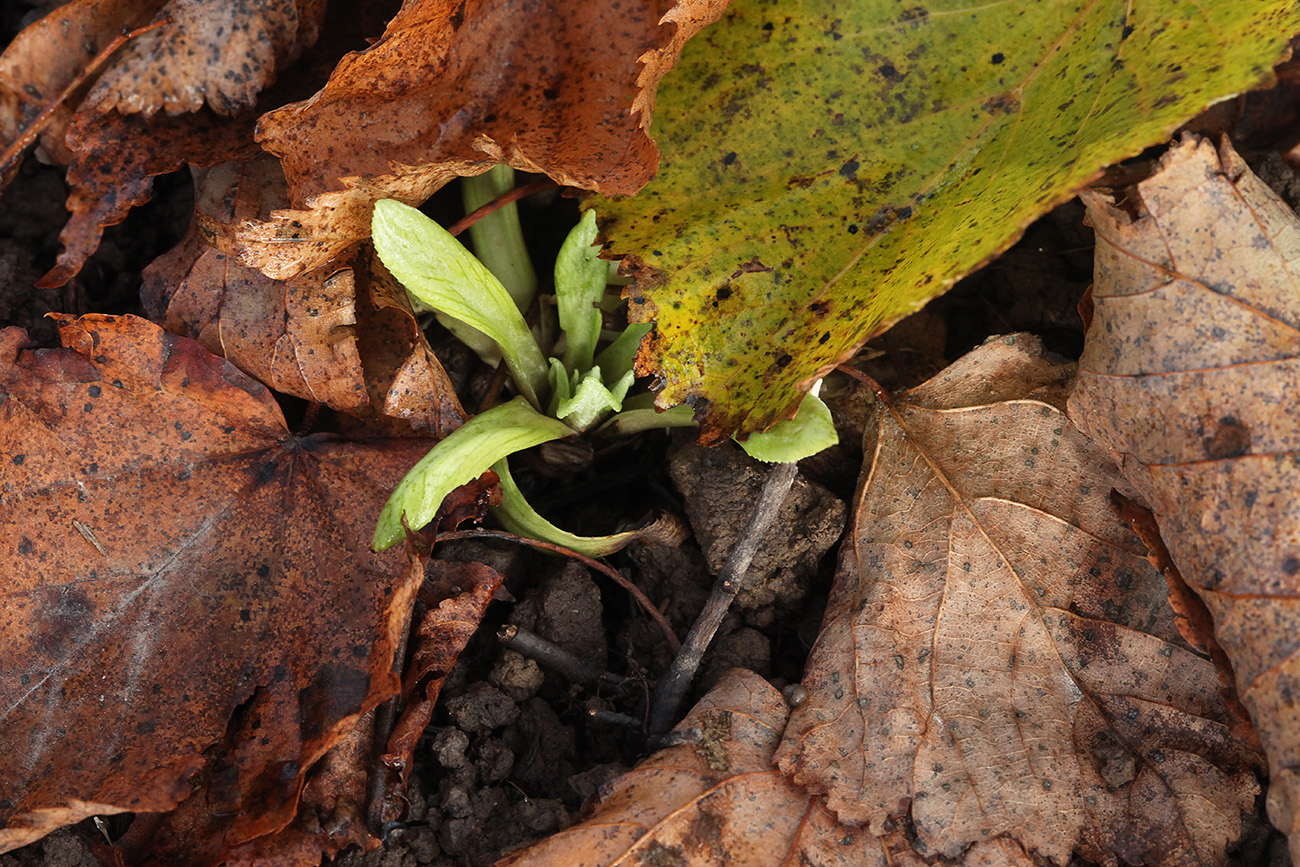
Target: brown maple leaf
[(174, 553), (454, 88), (997, 658), (1189, 374)]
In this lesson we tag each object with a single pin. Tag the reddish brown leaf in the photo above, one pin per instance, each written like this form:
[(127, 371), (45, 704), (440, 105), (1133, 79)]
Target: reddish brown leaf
[(997, 658), (1189, 374), (114, 161), (453, 598), (404, 377), (174, 552), (297, 336), (48, 56), (453, 88)]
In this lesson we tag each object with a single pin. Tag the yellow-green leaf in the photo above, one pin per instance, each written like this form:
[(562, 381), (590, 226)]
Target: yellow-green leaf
[(829, 167)]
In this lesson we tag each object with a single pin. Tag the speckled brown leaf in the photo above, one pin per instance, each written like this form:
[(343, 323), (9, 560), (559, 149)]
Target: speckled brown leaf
[(452, 602), (173, 553), (297, 336), (114, 161), (218, 53), (49, 55), (1190, 374), (715, 800), (997, 658), (404, 377), (454, 87), (211, 60)]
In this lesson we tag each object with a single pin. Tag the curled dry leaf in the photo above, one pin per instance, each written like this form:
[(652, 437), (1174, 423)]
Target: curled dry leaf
[(49, 55), (114, 161), (218, 53), (1190, 373), (173, 553), (112, 144), (997, 658), (297, 336), (714, 798), (452, 602), (453, 88)]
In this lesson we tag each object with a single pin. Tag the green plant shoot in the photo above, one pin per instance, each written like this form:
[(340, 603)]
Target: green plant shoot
[(581, 390)]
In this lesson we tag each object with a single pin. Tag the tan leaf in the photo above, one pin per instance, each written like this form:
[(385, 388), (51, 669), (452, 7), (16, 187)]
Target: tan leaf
[(714, 799), (297, 336), (453, 88), (174, 555), (1190, 374), (218, 53), (997, 658)]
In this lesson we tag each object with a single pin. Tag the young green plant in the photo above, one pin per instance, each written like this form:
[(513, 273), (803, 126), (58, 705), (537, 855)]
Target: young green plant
[(566, 389)]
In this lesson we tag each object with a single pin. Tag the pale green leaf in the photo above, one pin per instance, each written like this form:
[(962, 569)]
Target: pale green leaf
[(829, 166), (438, 270), (463, 456), (811, 430), (579, 285), (592, 400), (518, 517), (498, 238)]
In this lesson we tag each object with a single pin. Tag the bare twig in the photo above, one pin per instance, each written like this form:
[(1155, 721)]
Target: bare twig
[(500, 202), (655, 614), (672, 687), (557, 658)]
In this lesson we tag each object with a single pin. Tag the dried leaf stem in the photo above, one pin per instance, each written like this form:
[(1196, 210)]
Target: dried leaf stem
[(655, 614), (500, 202), (672, 687)]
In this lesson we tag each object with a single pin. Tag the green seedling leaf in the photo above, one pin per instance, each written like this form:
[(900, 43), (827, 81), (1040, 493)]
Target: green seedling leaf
[(579, 285), (617, 358), (518, 517), (592, 400), (498, 238), (645, 417), (463, 456), (860, 157), (437, 269), (811, 430)]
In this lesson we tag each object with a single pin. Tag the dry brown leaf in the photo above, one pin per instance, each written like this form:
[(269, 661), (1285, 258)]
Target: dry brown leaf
[(297, 336), (1190, 374), (49, 56), (997, 658), (716, 799), (174, 553), (218, 53), (453, 600), (453, 88)]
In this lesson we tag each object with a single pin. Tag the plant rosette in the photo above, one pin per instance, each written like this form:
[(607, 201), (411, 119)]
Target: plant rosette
[(566, 389)]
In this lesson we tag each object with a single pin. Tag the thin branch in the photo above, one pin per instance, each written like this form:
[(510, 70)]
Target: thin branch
[(655, 614), (672, 687), (556, 658), (500, 202)]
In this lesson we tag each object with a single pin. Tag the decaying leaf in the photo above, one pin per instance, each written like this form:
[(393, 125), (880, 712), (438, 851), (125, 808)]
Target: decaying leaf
[(997, 658), (859, 158), (1190, 374), (172, 554), (48, 56), (453, 88), (216, 53), (297, 336), (715, 799)]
